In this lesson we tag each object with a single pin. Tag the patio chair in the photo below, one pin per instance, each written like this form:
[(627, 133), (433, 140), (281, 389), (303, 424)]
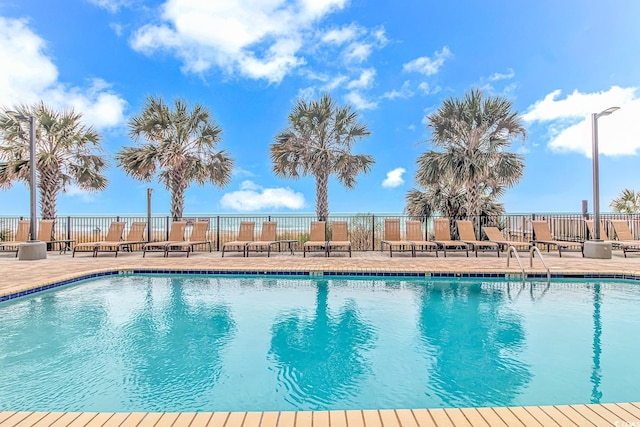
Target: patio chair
[(494, 235), (317, 238), (416, 237), (176, 235), (245, 235), (114, 235), (468, 235), (604, 236), (443, 237), (267, 238), (542, 234), (198, 237), (21, 236), (626, 241), (134, 237), (392, 237), (45, 234), (339, 238)]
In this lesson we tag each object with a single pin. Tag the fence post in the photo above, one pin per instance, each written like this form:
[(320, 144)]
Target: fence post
[(68, 227), (373, 232), (167, 228), (218, 233)]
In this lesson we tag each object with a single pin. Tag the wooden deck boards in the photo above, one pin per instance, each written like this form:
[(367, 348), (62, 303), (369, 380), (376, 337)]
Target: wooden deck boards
[(610, 414)]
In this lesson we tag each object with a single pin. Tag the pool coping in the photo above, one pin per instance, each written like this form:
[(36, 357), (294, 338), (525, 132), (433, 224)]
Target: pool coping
[(77, 277)]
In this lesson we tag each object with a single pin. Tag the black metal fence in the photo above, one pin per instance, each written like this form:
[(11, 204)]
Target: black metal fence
[(365, 230)]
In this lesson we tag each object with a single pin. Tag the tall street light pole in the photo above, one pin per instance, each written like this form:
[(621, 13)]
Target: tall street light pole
[(596, 248), (33, 249)]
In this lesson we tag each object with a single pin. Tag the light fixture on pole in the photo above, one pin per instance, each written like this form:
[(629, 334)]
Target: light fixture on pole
[(33, 249), (596, 248)]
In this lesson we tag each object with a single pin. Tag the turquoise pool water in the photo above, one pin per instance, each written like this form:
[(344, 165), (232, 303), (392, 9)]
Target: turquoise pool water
[(196, 343)]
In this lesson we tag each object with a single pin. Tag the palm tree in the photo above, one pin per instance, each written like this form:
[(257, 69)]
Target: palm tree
[(449, 200), (66, 153), (627, 202), (318, 142), (181, 143), (472, 135)]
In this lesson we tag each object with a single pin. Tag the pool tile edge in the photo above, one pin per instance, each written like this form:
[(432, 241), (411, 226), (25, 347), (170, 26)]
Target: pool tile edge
[(313, 273)]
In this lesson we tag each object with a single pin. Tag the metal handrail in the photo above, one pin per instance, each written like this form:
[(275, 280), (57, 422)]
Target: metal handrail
[(510, 249), (532, 251)]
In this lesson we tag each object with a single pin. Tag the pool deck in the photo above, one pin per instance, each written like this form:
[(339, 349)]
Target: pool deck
[(17, 276)]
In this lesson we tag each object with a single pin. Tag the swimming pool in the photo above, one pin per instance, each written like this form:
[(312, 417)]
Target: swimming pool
[(214, 343)]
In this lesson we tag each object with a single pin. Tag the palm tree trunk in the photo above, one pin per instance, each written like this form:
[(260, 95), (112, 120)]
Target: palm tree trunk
[(178, 189), (49, 185), (473, 204), (322, 196)]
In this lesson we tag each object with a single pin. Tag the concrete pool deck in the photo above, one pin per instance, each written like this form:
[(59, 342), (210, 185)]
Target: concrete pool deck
[(17, 276)]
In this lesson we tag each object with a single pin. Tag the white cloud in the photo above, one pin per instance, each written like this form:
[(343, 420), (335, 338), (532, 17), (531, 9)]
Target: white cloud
[(307, 93), (249, 185), (335, 83), (111, 5), (117, 28), (252, 197), (380, 36), (502, 76), (98, 104), (340, 36), (428, 66), (404, 92), (258, 39), (426, 89), (394, 178), (33, 76), (358, 52), (569, 121), (358, 101), (238, 171), (84, 195), (364, 81)]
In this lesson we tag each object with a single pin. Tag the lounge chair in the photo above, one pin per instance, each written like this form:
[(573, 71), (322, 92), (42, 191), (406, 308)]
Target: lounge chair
[(339, 238), (267, 238), (45, 234), (416, 237), (176, 236), (21, 236), (134, 237), (494, 235), (245, 235), (443, 236), (468, 235), (114, 236), (392, 237), (542, 234), (603, 234), (317, 238), (626, 241), (198, 237)]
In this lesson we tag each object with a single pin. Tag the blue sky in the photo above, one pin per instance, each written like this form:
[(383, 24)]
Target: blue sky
[(248, 61)]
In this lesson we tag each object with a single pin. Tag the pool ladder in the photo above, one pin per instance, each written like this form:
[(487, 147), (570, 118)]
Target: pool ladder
[(532, 252)]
